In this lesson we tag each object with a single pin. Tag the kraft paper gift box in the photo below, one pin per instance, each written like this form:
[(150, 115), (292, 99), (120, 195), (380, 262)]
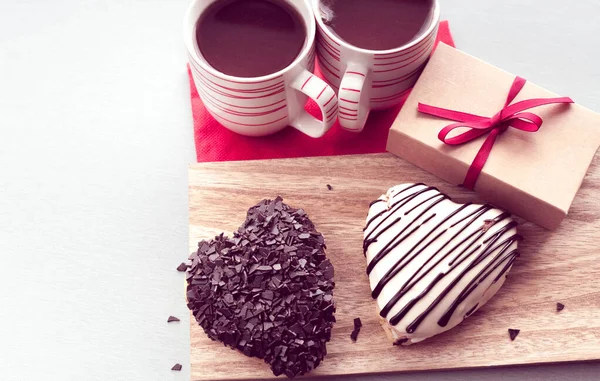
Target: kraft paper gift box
[(535, 175)]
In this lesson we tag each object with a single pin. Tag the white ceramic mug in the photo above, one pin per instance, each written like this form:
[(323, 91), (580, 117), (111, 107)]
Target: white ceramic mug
[(263, 105), (368, 80)]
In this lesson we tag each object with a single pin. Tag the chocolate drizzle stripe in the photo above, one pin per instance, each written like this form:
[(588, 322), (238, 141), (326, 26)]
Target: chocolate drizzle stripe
[(505, 228), (396, 319), (474, 283), (506, 268), (501, 217), (394, 210), (367, 242), (397, 205), (480, 233), (443, 321), (376, 201), (510, 240), (402, 264), (510, 256), (482, 209), (409, 188), (475, 214), (475, 253), (393, 271), (424, 201), (379, 225), (407, 286), (394, 242), (470, 312), (374, 218), (378, 257)]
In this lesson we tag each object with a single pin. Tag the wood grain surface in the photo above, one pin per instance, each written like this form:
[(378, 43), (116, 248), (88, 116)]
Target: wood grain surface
[(561, 266)]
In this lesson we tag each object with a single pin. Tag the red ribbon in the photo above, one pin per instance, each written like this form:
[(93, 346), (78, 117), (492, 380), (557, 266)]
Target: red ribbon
[(510, 116)]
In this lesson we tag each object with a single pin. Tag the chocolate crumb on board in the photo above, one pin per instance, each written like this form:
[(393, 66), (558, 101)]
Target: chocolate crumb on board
[(176, 367), (513, 333), (182, 267), (268, 290), (329, 187), (172, 319), (559, 307), (356, 331), (354, 334)]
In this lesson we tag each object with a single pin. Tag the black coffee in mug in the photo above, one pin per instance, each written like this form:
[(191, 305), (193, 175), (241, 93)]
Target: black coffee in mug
[(250, 38), (377, 24)]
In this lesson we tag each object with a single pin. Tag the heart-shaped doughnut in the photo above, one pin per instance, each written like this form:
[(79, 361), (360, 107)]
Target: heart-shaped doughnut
[(432, 262), (268, 291)]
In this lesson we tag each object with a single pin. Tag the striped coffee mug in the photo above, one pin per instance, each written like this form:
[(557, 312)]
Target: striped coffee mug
[(368, 80), (263, 105)]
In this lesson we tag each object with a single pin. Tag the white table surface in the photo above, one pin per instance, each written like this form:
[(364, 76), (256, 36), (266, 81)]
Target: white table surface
[(95, 139)]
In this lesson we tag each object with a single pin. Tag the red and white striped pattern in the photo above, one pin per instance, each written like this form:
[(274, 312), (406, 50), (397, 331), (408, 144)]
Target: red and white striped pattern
[(322, 94), (257, 108), (390, 75), (349, 103), (394, 74), (242, 104), (329, 54), (354, 109)]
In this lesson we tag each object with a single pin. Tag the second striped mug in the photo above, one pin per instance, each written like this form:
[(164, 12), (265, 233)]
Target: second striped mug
[(367, 79)]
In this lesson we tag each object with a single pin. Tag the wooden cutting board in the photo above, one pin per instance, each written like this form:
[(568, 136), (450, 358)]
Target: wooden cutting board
[(561, 266)]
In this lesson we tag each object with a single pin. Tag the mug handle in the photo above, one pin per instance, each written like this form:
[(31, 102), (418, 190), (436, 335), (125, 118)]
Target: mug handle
[(324, 96), (354, 102)]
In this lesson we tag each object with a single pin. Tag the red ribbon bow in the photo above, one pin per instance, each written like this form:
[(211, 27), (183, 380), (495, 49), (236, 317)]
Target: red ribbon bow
[(510, 116)]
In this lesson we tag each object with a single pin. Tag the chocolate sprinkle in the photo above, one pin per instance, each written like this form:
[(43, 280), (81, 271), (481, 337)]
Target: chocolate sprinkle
[(329, 187), (354, 334), (172, 319), (513, 333), (268, 290), (559, 307), (357, 325), (176, 367), (182, 267)]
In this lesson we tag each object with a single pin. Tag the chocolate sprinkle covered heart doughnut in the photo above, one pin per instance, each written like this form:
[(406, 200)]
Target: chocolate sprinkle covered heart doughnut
[(432, 262), (268, 291)]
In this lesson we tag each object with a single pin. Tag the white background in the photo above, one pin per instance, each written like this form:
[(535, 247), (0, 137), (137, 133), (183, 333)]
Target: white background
[(95, 139)]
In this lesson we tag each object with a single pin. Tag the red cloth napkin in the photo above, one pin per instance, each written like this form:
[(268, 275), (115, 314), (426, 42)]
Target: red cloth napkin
[(216, 143)]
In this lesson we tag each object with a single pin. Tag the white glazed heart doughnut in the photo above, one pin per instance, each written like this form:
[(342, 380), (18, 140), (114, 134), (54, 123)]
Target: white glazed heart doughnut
[(432, 262)]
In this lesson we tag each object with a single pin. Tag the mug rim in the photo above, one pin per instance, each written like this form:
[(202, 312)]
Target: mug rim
[(188, 36), (434, 23)]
